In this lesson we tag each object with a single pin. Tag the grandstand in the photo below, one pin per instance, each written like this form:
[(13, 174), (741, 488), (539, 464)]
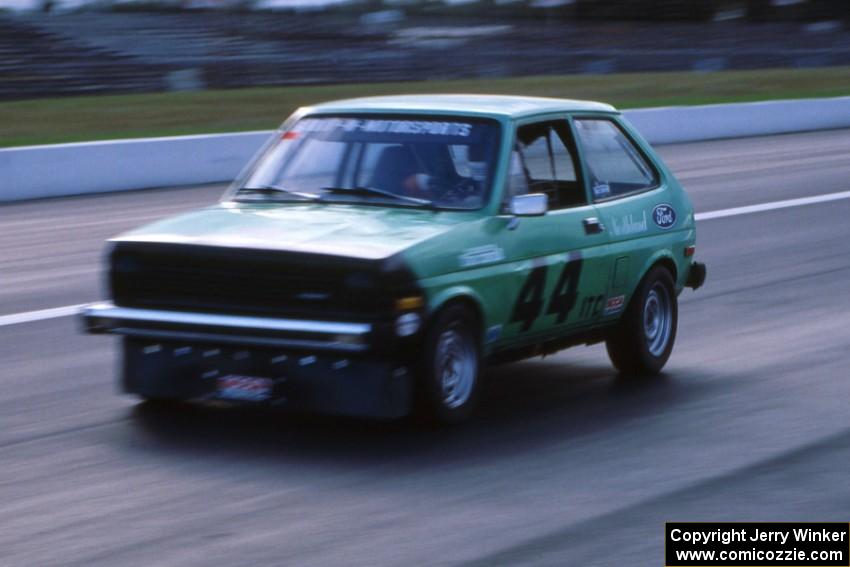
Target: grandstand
[(45, 54)]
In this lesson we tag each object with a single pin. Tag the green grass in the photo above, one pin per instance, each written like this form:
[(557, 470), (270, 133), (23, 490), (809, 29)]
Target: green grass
[(45, 121)]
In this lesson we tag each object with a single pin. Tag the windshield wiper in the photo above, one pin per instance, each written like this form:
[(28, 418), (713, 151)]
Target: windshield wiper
[(380, 192), (270, 189)]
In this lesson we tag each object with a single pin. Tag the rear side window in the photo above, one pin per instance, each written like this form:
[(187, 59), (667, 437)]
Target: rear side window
[(614, 164)]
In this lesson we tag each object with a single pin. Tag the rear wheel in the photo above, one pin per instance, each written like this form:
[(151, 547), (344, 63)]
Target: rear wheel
[(450, 368), (643, 340)]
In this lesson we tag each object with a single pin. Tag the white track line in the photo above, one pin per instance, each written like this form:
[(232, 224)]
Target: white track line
[(772, 206), (56, 312)]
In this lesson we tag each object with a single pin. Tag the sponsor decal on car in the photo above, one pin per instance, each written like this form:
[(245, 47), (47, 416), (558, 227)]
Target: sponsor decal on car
[(486, 254), (244, 388), (664, 216), (372, 126), (614, 304), (628, 224), (601, 190)]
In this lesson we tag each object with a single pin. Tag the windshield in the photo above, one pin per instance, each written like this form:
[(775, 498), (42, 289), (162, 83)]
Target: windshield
[(435, 162)]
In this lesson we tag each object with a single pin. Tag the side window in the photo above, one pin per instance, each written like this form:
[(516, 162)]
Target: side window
[(538, 160), (564, 167), (517, 179), (548, 163), (614, 164)]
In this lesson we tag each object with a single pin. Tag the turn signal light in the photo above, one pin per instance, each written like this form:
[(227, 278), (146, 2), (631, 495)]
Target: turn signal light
[(409, 303)]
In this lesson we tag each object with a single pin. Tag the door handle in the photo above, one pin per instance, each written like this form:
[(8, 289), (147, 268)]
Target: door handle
[(592, 225)]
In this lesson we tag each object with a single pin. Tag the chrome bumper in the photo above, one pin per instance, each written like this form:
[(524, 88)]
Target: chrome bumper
[(107, 318)]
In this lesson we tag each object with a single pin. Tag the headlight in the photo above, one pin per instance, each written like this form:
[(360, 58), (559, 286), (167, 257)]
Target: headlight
[(407, 324)]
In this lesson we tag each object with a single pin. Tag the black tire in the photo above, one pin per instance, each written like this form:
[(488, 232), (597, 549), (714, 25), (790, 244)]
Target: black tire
[(452, 339), (633, 347)]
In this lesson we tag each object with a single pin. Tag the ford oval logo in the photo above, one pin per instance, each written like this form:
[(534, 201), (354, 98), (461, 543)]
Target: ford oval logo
[(664, 216)]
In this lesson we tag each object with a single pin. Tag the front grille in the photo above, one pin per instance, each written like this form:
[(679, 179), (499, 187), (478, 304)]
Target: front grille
[(253, 282)]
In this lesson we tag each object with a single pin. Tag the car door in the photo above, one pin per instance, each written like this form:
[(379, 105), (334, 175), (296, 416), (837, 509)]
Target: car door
[(629, 194), (561, 262)]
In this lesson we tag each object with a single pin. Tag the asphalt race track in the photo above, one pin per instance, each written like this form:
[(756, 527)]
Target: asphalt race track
[(565, 465)]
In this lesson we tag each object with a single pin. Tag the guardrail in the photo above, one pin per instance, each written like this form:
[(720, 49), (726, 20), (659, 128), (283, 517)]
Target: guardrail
[(35, 172)]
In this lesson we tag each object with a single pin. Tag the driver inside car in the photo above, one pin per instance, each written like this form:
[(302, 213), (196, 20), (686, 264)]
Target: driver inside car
[(427, 173), (398, 171)]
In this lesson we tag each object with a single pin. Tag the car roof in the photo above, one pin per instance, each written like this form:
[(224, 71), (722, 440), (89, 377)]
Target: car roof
[(495, 106)]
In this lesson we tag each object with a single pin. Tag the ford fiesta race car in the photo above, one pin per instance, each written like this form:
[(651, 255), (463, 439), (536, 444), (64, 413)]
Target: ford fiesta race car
[(378, 252)]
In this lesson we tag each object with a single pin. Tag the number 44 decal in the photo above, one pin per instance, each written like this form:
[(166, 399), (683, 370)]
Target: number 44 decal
[(529, 303)]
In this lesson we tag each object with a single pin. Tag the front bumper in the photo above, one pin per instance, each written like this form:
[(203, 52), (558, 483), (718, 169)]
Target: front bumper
[(108, 318), (294, 380), (320, 366)]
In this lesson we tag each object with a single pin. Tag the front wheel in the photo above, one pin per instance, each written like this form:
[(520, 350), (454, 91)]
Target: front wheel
[(643, 340), (451, 363)]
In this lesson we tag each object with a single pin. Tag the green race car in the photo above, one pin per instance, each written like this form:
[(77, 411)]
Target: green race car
[(378, 252)]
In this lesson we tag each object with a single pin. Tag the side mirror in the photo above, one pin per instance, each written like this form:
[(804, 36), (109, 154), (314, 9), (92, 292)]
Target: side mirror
[(530, 205)]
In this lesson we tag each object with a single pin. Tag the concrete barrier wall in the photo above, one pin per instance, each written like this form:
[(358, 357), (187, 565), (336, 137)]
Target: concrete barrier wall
[(677, 124), (35, 172)]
